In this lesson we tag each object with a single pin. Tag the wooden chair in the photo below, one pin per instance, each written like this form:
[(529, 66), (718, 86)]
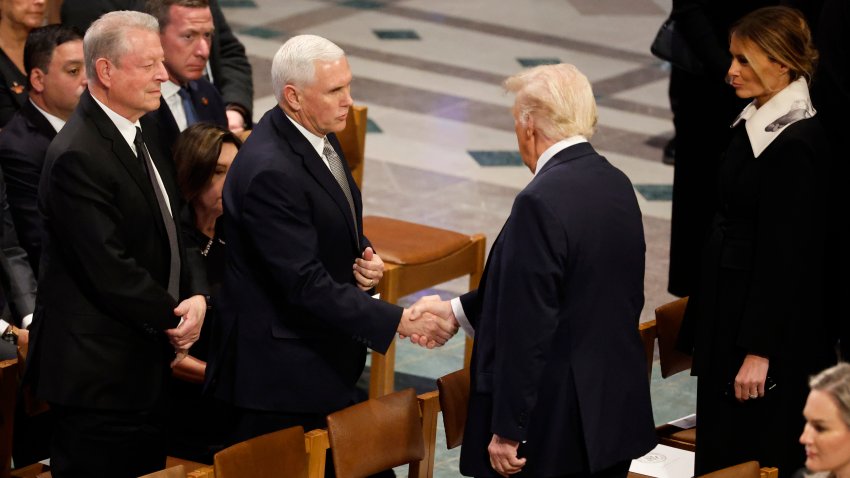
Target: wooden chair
[(668, 319), (378, 434), (416, 257), (171, 472), (648, 333), (8, 395), (454, 399), (281, 453), (749, 469)]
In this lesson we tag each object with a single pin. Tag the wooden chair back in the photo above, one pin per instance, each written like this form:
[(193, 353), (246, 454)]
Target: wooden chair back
[(668, 318), (375, 435), (749, 469), (454, 400), (280, 453), (648, 333), (353, 141), (172, 472), (8, 395)]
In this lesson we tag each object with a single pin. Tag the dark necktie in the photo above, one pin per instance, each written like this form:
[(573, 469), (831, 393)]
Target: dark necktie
[(338, 172), (170, 228), (188, 107)]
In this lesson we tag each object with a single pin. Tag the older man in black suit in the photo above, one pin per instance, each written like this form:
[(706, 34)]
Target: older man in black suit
[(559, 382), (295, 313), (109, 316), (53, 57)]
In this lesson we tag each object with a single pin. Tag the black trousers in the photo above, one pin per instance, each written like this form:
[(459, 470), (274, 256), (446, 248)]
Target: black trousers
[(104, 443), (251, 423)]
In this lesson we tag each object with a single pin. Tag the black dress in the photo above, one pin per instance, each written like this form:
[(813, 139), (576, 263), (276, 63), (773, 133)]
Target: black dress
[(13, 91), (761, 292), (195, 421)]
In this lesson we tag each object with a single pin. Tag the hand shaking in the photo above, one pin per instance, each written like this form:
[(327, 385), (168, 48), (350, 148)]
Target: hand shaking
[(430, 322)]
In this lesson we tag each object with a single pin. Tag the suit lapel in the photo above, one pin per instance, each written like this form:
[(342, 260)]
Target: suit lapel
[(36, 121), (123, 153), (573, 152), (317, 168)]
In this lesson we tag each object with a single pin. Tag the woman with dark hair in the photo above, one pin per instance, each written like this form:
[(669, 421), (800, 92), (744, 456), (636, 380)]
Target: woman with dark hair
[(17, 18), (756, 325), (826, 435), (203, 154)]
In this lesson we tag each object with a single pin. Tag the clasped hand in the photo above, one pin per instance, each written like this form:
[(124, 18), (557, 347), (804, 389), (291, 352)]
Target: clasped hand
[(430, 322), (192, 311)]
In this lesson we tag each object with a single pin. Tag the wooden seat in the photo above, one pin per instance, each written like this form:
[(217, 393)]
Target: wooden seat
[(454, 400), (668, 319), (170, 472), (416, 257), (378, 434), (281, 453), (648, 333), (749, 469)]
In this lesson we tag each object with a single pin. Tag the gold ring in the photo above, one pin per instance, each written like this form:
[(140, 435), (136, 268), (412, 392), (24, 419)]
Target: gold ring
[(371, 282)]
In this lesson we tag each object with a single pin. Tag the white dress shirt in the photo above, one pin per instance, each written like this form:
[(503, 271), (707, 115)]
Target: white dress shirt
[(317, 142), (54, 121), (171, 95)]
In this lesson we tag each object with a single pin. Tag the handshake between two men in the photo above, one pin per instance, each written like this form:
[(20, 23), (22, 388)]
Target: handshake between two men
[(430, 322)]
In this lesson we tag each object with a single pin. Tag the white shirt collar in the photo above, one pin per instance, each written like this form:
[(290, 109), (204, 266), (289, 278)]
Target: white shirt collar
[(766, 123), (171, 95), (126, 127), (54, 121), (317, 142), (556, 148)]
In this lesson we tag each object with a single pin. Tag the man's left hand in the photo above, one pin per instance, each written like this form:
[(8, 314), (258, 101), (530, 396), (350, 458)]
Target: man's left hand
[(503, 457), (192, 311), (368, 270)]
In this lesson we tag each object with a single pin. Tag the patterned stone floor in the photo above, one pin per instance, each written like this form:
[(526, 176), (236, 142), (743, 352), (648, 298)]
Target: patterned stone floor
[(441, 148)]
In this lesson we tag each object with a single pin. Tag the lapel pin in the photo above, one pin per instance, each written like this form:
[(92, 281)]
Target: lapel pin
[(205, 101), (17, 88)]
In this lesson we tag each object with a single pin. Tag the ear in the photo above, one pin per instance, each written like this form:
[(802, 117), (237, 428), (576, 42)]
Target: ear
[(104, 69), (37, 80), (291, 97), (529, 128)]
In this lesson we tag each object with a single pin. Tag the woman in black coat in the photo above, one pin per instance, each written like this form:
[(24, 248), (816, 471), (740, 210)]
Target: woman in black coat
[(756, 324)]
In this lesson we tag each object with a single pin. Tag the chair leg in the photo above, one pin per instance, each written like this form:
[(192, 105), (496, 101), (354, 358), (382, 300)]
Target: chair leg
[(382, 378)]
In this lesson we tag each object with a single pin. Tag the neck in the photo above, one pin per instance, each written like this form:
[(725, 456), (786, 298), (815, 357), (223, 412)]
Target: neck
[(13, 37), (205, 221), (102, 94), (38, 99)]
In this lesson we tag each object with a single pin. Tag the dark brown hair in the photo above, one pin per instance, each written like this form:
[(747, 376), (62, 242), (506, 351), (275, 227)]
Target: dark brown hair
[(196, 155), (784, 36), (160, 9)]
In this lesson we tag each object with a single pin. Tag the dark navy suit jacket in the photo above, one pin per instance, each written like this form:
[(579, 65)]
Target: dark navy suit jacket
[(558, 362), (209, 106)]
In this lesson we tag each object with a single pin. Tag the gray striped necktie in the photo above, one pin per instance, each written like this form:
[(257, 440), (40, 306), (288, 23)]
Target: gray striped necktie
[(338, 172)]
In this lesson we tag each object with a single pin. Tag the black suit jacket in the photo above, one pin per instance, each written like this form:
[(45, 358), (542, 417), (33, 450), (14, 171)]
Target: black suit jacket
[(102, 305), (295, 327), (558, 360), (209, 106), (230, 68), (23, 144)]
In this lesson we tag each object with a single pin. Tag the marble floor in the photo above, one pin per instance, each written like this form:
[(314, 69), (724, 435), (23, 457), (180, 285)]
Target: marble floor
[(441, 148)]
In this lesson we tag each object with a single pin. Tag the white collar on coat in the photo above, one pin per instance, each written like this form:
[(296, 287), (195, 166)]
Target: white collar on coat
[(765, 123)]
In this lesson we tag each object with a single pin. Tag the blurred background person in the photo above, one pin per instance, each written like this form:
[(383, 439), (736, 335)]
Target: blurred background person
[(763, 264), (186, 31), (57, 77), (17, 18), (203, 154), (703, 107), (228, 68)]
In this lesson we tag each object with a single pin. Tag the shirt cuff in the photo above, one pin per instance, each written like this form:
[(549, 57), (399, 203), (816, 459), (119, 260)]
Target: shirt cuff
[(460, 316), (3, 326), (26, 321)]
